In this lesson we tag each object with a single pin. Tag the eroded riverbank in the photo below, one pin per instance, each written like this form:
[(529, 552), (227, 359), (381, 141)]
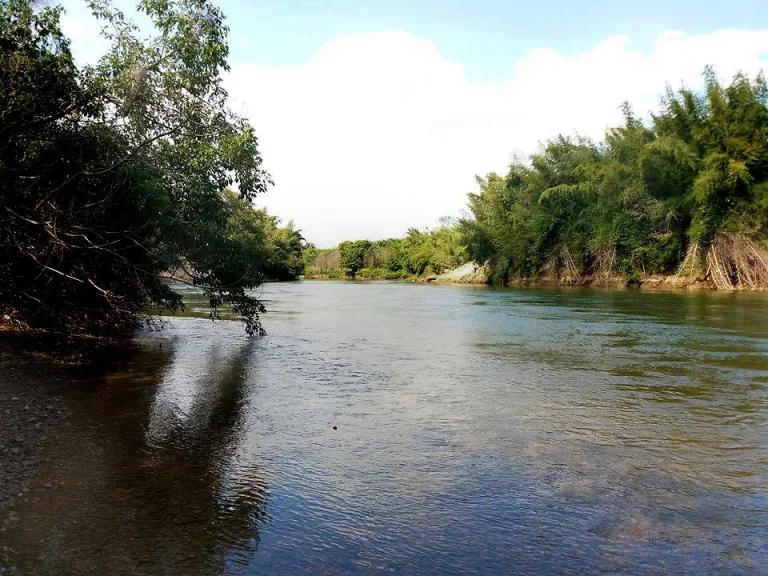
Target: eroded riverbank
[(475, 274)]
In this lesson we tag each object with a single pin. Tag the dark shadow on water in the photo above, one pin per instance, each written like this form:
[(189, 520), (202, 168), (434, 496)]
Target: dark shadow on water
[(150, 475)]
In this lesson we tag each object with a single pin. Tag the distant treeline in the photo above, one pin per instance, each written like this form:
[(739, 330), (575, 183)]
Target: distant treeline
[(685, 194), (419, 253)]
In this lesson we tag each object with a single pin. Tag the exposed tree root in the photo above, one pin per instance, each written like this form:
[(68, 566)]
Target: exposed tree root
[(567, 269), (734, 262), (692, 266), (731, 262), (604, 269)]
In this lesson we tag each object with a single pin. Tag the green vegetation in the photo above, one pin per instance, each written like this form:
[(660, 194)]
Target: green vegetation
[(274, 251), (684, 196), (418, 254), (687, 193), (112, 174)]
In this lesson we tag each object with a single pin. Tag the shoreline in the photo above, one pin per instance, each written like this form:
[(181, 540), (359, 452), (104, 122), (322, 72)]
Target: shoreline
[(654, 283), (75, 343)]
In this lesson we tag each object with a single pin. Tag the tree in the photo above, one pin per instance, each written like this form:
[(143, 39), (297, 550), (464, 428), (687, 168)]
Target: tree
[(352, 255), (114, 173), (691, 185)]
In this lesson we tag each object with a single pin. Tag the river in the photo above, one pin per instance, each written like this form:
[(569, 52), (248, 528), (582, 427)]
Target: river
[(397, 428)]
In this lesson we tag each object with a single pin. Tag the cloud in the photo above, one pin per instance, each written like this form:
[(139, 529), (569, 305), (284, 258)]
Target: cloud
[(379, 131)]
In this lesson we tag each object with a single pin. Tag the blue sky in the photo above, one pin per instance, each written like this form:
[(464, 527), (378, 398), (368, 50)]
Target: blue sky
[(483, 35), (376, 116)]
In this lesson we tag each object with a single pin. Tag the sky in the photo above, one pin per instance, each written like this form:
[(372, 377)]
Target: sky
[(374, 116)]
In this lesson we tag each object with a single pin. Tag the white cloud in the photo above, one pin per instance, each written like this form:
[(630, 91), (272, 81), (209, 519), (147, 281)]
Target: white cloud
[(379, 131)]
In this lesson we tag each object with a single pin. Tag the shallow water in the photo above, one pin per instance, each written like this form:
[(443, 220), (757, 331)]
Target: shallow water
[(478, 431)]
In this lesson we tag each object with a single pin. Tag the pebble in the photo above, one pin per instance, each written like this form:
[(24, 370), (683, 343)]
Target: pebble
[(25, 420)]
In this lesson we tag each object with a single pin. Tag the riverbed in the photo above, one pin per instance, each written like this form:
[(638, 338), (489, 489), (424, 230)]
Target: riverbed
[(400, 428)]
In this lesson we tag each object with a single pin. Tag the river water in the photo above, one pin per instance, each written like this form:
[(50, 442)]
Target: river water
[(478, 431)]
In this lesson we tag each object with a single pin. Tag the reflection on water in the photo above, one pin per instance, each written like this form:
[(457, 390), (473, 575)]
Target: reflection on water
[(478, 431), (149, 477)]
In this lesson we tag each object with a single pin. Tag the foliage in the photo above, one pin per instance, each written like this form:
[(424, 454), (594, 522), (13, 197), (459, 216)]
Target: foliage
[(633, 204), (419, 253), (261, 245), (111, 174), (352, 255)]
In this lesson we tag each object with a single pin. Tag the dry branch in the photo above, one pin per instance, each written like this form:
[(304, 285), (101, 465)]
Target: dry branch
[(735, 262), (569, 272)]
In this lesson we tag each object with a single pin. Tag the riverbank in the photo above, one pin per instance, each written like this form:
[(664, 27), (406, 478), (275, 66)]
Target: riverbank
[(473, 273), (468, 273)]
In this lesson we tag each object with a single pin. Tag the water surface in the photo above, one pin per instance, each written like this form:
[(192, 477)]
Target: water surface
[(478, 431)]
